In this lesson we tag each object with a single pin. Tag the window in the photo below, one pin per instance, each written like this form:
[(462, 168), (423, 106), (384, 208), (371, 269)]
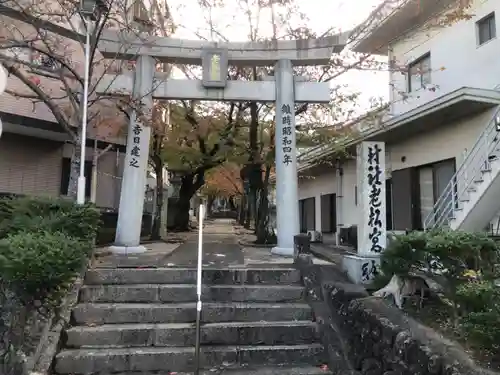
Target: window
[(486, 29), (328, 213), (419, 73)]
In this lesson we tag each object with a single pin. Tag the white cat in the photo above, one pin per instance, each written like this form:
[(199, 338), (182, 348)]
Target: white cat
[(401, 288)]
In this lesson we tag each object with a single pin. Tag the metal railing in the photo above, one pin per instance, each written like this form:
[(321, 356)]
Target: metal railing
[(473, 167), (199, 278)]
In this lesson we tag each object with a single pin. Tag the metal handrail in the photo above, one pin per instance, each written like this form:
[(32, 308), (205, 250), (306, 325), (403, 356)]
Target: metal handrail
[(461, 182), (471, 169), (199, 278)]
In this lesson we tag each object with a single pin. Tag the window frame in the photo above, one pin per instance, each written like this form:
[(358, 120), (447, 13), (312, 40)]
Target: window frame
[(418, 63), (490, 21)]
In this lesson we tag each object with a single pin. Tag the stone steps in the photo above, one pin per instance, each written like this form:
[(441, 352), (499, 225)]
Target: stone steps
[(183, 334), (110, 313), (174, 359), (168, 293), (222, 370), (276, 370), (228, 276), (141, 321)]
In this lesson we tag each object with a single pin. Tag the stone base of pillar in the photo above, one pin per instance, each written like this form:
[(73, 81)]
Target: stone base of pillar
[(283, 251), (125, 250), (361, 269)]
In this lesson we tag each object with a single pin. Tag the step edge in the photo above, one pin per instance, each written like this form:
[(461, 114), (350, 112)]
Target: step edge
[(242, 269), (178, 349), (193, 286), (191, 304), (173, 326)]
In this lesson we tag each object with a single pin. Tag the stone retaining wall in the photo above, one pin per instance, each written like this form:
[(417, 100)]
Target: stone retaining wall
[(41, 334), (365, 336)]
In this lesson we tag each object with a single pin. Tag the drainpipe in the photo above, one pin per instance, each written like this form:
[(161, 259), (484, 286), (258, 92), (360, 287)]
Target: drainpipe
[(339, 177)]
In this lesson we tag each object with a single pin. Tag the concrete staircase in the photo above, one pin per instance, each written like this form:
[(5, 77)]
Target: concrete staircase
[(470, 200), (142, 321)]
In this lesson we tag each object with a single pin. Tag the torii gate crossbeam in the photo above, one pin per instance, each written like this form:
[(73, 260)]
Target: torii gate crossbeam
[(147, 84)]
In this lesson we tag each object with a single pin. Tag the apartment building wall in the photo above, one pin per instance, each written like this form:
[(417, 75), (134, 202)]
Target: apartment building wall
[(448, 142), (444, 142), (29, 165), (38, 166), (105, 115), (456, 59), (35, 166)]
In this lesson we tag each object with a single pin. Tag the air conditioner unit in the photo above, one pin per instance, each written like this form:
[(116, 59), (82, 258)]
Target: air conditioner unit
[(314, 236)]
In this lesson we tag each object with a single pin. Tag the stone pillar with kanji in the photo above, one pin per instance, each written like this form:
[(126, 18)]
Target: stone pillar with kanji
[(287, 206), (371, 211), (133, 187)]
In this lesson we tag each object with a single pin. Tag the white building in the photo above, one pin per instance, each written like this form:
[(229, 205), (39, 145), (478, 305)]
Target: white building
[(440, 131)]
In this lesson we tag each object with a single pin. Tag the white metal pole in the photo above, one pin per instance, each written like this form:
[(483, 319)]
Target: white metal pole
[(80, 198), (200, 253), (198, 290)]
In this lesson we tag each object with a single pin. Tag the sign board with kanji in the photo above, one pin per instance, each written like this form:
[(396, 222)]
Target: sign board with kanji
[(215, 68)]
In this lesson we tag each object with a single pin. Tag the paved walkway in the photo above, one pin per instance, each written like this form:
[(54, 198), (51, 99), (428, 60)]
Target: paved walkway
[(220, 249)]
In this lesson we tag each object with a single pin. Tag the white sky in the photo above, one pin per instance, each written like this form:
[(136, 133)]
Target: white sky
[(322, 15)]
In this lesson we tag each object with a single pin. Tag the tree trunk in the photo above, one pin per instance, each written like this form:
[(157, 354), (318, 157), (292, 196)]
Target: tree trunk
[(264, 234), (232, 204), (248, 212), (156, 229), (189, 186), (253, 160), (210, 202), (181, 221), (74, 172), (241, 213), (262, 231)]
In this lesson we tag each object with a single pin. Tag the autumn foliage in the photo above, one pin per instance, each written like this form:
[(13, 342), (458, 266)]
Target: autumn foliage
[(224, 181)]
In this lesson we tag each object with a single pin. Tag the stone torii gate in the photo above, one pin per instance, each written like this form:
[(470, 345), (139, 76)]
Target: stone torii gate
[(145, 84)]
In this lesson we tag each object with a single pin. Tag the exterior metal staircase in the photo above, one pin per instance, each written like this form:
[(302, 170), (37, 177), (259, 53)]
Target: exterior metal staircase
[(472, 197)]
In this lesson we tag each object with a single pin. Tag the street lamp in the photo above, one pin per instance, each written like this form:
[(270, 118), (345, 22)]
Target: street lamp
[(90, 11)]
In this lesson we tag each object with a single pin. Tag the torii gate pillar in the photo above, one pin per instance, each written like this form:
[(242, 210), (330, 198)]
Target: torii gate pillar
[(133, 187), (287, 202)]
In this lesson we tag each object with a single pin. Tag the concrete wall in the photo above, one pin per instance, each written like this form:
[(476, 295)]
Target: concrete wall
[(442, 143), (109, 175), (456, 59), (109, 179), (30, 166), (33, 166), (327, 183)]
